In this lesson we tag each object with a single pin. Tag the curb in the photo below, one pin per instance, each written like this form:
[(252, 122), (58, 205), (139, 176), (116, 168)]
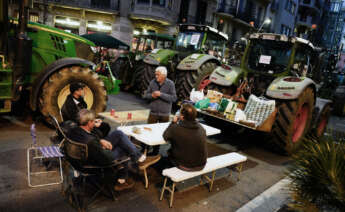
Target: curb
[(270, 200)]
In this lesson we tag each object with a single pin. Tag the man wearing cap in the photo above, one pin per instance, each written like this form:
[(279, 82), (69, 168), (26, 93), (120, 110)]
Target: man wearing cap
[(74, 103), (161, 93)]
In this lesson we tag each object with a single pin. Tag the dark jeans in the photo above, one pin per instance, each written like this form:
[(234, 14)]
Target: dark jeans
[(156, 119), (122, 146)]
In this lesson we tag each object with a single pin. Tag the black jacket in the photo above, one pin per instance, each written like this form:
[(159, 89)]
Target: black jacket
[(188, 144), (96, 154), (70, 109)]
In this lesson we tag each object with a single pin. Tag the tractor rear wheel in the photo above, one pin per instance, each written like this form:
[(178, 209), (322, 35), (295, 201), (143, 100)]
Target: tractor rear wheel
[(293, 121), (56, 88), (187, 80), (147, 74)]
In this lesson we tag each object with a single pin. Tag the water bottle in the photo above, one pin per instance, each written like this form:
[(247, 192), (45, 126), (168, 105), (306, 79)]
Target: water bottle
[(33, 134)]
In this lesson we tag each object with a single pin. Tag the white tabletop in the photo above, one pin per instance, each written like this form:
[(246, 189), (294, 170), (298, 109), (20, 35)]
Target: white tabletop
[(155, 135)]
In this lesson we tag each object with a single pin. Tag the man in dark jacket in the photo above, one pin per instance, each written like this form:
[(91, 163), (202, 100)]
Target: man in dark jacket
[(188, 140), (112, 147), (161, 93), (74, 103)]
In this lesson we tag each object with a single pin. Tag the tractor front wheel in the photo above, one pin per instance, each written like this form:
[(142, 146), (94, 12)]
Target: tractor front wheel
[(187, 80), (147, 73), (293, 121), (56, 88)]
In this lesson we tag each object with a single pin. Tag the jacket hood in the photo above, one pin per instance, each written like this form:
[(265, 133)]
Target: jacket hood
[(189, 124)]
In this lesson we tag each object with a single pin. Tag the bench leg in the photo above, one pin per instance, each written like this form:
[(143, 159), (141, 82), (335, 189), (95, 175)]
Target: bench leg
[(209, 180), (163, 188), (239, 169), (172, 195), (146, 179), (211, 183)]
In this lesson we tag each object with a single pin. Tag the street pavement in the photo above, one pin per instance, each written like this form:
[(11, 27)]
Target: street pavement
[(263, 170)]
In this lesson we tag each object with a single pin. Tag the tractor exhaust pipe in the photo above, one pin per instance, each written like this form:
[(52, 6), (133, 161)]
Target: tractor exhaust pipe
[(22, 59)]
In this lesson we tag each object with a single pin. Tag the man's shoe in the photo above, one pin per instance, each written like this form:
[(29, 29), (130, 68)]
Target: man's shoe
[(123, 186), (149, 161)]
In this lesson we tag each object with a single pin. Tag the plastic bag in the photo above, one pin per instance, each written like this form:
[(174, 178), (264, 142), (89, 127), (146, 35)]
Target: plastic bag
[(196, 96), (214, 96), (202, 104)]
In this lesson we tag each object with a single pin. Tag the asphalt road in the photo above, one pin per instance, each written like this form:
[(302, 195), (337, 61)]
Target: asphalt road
[(262, 170)]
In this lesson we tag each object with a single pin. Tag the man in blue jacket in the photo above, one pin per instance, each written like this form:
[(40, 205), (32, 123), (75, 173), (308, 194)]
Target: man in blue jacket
[(161, 93)]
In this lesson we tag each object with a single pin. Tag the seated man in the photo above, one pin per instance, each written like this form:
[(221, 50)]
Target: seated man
[(74, 103), (104, 151), (188, 140)]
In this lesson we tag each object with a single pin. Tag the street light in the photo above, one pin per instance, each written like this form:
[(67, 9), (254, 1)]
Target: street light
[(267, 21)]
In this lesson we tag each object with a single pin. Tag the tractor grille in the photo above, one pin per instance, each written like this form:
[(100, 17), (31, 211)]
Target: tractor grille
[(58, 42)]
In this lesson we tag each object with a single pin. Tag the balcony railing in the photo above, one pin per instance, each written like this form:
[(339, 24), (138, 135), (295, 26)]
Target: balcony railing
[(154, 11), (313, 4), (106, 5)]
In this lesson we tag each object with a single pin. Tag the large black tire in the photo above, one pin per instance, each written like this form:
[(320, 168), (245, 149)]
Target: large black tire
[(187, 80), (339, 106), (137, 77), (321, 124), (121, 70), (293, 121), (146, 75), (56, 88)]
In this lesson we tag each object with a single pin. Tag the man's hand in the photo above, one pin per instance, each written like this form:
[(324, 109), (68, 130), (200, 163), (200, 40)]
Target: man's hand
[(156, 94), (98, 122), (175, 119), (106, 144)]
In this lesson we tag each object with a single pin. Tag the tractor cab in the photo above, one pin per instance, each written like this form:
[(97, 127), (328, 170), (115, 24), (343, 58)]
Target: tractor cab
[(144, 43), (200, 39)]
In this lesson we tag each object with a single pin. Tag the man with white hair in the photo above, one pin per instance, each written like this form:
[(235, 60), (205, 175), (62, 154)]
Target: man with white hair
[(161, 93)]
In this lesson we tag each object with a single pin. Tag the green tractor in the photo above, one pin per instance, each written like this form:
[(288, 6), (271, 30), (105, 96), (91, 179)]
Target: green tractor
[(283, 69), (127, 66), (38, 63), (198, 50)]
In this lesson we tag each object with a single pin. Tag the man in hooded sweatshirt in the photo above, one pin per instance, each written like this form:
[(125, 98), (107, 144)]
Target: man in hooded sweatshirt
[(188, 140)]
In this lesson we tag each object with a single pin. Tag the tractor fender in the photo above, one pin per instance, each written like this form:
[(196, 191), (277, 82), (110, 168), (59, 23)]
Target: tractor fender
[(194, 61), (49, 70), (159, 57), (226, 76), (320, 105), (289, 87)]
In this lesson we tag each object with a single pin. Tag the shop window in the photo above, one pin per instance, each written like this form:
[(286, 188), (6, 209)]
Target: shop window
[(99, 26), (143, 1), (159, 2)]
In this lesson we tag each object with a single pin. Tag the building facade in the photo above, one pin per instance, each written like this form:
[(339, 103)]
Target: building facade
[(238, 17), (282, 14), (116, 17)]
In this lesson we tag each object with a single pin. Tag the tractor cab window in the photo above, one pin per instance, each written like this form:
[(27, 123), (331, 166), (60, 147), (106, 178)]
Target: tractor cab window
[(214, 45), (189, 41), (269, 56), (303, 61)]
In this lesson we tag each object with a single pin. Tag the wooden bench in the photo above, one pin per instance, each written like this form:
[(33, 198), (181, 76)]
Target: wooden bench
[(214, 163)]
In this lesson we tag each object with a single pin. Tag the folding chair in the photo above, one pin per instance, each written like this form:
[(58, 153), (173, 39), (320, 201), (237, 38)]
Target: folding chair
[(40, 153), (100, 177)]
